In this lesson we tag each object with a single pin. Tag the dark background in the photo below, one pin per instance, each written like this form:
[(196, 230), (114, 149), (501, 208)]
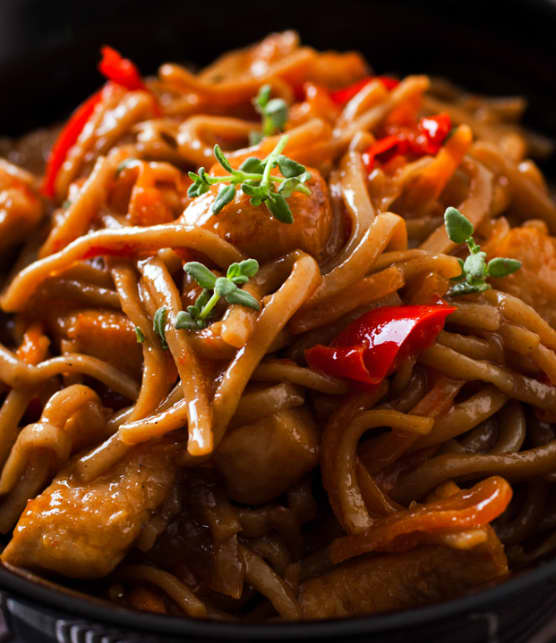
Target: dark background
[(49, 49)]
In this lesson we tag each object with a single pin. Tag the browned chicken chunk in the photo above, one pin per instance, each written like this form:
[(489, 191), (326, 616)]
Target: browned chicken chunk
[(535, 282), (84, 530), (260, 461), (402, 580), (20, 207), (107, 335), (254, 231)]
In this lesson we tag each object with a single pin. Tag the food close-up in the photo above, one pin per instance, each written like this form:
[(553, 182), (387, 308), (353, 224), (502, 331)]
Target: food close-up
[(277, 339)]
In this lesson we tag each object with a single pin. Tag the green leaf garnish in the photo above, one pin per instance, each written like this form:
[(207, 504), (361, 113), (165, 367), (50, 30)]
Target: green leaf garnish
[(255, 179), (474, 270), (214, 288), (159, 325), (274, 114), (139, 334)]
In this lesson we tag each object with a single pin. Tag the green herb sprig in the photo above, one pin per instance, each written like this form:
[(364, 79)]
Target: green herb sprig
[(255, 178), (139, 335), (274, 113), (474, 270), (159, 325), (228, 287)]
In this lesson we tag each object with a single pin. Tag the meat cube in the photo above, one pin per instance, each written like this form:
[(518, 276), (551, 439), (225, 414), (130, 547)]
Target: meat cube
[(110, 336), (385, 582), (260, 461), (535, 282), (83, 530)]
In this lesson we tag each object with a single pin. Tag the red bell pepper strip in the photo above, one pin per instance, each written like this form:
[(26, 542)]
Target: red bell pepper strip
[(120, 70), (434, 130), (116, 69), (66, 140), (427, 138), (342, 96), (371, 347)]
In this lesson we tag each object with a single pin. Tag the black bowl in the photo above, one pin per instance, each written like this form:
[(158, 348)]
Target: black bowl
[(48, 54)]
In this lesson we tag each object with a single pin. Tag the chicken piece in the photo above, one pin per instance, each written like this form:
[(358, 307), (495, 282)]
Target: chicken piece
[(110, 336), (398, 581), (257, 233), (83, 530), (260, 461), (535, 282), (20, 207)]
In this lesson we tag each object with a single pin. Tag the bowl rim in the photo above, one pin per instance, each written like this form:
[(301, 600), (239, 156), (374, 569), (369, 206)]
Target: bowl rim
[(97, 611)]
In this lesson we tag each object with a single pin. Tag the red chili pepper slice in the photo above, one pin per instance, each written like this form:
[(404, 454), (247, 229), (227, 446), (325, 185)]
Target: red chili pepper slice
[(342, 96), (66, 140), (395, 144), (371, 347), (120, 70), (435, 129), (427, 138)]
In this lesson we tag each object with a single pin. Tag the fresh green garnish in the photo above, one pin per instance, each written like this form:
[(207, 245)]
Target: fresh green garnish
[(139, 335), (255, 178), (474, 270), (274, 113), (196, 316), (159, 325)]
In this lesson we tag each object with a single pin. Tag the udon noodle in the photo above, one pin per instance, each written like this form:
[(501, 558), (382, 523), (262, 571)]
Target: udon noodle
[(211, 467)]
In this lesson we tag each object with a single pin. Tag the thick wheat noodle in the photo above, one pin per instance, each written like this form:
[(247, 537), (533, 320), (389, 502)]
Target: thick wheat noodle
[(513, 384), (443, 265), (358, 295), (269, 584), (476, 208), (368, 97), (11, 413), (29, 485), (48, 433), (512, 429), (353, 405), (463, 417), (527, 196), (196, 136), (384, 450), (126, 240), (356, 200), (84, 208), (304, 278), (513, 466), (479, 316), (89, 294), (156, 379), (355, 515), (18, 374), (169, 584), (194, 384), (519, 339), (239, 91), (520, 313), (468, 345), (386, 229), (274, 370)]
